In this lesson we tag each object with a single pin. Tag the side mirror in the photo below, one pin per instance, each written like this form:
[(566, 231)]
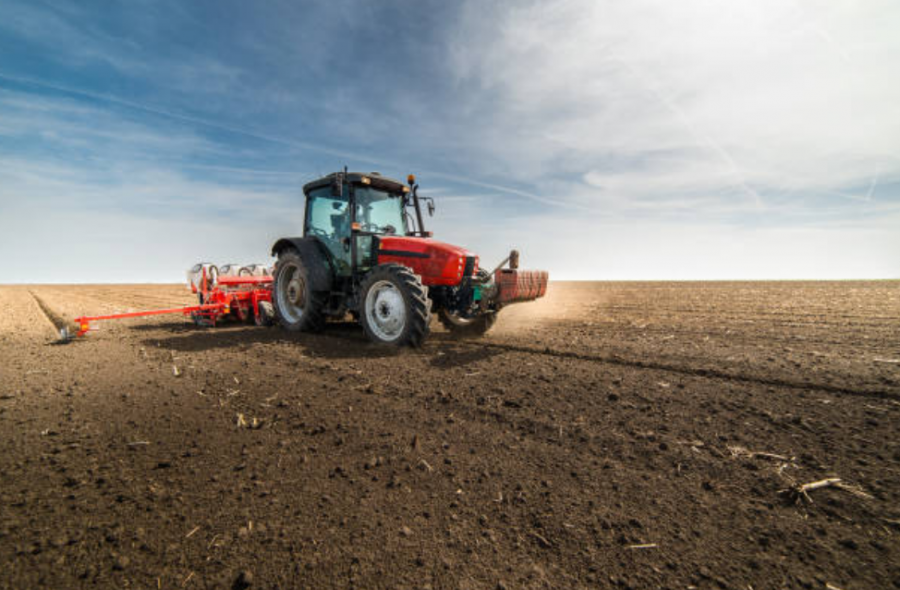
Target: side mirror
[(337, 185), (430, 208)]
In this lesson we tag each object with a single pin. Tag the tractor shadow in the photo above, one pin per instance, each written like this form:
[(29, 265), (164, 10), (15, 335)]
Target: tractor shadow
[(448, 352), (339, 340)]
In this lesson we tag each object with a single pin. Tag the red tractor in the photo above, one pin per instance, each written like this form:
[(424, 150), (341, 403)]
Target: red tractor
[(365, 253)]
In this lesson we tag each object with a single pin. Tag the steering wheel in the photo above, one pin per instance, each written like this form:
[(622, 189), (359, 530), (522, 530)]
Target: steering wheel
[(387, 229)]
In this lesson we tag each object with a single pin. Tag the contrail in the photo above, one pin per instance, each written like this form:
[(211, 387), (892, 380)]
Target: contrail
[(512, 191), (699, 137), (271, 138), (874, 182)]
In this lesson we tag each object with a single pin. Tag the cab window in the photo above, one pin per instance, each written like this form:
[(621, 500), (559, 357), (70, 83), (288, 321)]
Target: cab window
[(328, 218)]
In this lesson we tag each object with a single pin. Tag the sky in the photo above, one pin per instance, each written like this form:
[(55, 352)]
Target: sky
[(607, 140)]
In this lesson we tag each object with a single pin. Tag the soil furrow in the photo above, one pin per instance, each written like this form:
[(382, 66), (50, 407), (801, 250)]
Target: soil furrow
[(55, 320), (696, 371), (555, 452)]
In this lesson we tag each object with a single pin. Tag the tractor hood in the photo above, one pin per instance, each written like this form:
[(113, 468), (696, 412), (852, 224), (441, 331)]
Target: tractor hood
[(438, 263), (421, 246)]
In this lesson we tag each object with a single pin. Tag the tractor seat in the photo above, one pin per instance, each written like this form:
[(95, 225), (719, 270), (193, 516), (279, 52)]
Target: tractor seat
[(341, 225)]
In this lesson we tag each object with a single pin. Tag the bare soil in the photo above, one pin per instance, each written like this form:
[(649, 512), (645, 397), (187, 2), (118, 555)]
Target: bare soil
[(612, 435)]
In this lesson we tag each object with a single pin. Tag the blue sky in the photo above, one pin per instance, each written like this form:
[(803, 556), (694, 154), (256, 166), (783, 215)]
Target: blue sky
[(606, 140)]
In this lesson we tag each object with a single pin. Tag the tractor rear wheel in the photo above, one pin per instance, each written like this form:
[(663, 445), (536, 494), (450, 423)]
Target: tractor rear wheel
[(394, 306), (460, 326), (297, 306)]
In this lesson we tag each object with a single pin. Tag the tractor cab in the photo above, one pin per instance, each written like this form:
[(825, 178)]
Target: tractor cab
[(345, 211)]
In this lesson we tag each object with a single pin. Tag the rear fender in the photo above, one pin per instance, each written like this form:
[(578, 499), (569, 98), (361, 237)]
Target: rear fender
[(314, 255)]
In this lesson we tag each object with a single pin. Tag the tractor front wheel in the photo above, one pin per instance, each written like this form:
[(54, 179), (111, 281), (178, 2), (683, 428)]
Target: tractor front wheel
[(297, 306), (467, 327), (472, 326), (395, 308)]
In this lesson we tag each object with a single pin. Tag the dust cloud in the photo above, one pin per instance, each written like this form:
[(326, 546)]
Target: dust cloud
[(569, 301)]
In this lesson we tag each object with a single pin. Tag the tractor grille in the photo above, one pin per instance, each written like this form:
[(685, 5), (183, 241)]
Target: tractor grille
[(469, 268)]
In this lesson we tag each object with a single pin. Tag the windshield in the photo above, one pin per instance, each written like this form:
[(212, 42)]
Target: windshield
[(379, 212)]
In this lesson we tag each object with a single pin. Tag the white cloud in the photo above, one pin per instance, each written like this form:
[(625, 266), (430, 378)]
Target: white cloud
[(658, 250), (113, 199), (670, 98)]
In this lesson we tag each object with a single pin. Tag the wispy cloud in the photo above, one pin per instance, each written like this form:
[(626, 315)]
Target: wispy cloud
[(589, 133), (740, 95)]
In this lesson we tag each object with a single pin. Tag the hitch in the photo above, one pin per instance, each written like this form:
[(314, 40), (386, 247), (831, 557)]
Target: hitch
[(512, 259)]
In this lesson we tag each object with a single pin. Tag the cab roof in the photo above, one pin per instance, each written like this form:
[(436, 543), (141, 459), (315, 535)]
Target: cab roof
[(373, 179)]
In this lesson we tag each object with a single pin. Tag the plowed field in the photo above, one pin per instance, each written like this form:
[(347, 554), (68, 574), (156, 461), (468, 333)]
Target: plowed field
[(612, 435)]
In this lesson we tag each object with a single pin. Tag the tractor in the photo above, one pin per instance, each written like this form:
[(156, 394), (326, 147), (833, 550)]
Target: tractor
[(365, 251)]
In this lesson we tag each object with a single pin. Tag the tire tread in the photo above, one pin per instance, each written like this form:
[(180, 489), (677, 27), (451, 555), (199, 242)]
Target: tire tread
[(420, 305), (313, 319)]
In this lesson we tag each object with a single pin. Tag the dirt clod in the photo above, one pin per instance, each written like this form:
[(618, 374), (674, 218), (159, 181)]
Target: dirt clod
[(121, 562), (243, 580)]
